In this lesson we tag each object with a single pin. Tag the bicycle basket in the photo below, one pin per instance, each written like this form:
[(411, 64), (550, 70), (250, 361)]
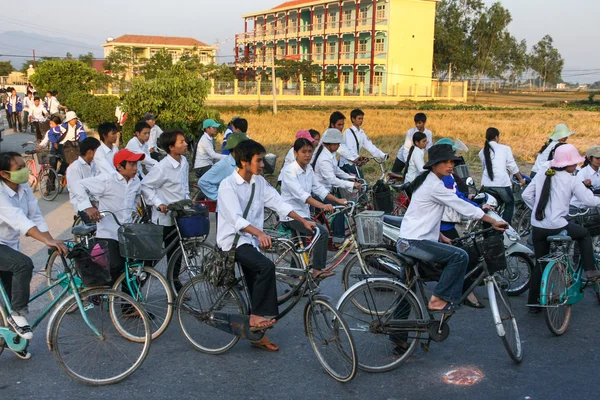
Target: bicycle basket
[(350, 195), (193, 221), (92, 264), (383, 199), (270, 163), (463, 170), (369, 228), (141, 241), (492, 246)]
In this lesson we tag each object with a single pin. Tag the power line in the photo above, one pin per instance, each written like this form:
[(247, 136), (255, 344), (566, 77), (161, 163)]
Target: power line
[(16, 21)]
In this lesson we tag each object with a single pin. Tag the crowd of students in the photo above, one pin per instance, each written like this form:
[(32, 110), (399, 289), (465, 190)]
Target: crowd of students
[(106, 178)]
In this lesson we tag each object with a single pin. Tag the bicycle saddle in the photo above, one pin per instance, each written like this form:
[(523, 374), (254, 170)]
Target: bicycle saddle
[(404, 186), (407, 259), (561, 237), (30, 151), (392, 220), (83, 230)]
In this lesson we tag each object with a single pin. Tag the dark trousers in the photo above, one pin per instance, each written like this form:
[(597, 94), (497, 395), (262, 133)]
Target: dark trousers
[(505, 196), (117, 262), (339, 227), (398, 167), (21, 268), (40, 129), (170, 236), (319, 252), (16, 121), (259, 273), (541, 247), (54, 161)]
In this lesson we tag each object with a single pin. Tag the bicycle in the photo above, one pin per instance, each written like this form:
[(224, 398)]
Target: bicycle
[(75, 339), (205, 310), (382, 308), (562, 285), (41, 175)]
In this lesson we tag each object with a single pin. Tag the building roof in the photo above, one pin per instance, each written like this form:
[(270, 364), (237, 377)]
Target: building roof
[(98, 65), (293, 3), (158, 40)]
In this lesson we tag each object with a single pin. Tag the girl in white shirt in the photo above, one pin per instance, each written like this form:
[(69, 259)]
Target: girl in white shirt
[(312, 136), (542, 162), (416, 157), (497, 159)]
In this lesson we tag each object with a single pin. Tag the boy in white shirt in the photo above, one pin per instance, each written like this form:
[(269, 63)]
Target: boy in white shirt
[(139, 144), (37, 118), (420, 121), (205, 150), (155, 133), (27, 105), (82, 168), (109, 134)]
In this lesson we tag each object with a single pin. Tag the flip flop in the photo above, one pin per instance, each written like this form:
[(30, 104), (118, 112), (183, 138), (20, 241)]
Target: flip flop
[(324, 274), (263, 325), (448, 309), (266, 344), (469, 303)]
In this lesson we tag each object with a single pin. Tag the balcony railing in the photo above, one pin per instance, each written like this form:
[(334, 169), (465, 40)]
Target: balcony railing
[(344, 57)]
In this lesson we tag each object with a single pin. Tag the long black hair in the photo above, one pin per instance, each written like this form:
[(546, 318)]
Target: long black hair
[(419, 180), (490, 135), (417, 137), (586, 162), (319, 150), (540, 211), (545, 146)]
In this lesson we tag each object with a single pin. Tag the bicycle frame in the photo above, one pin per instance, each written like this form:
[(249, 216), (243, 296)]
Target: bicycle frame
[(574, 292)]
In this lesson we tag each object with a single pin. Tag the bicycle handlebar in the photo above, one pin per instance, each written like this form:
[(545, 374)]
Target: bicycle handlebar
[(28, 143), (350, 205), (306, 249), (473, 234), (104, 212)]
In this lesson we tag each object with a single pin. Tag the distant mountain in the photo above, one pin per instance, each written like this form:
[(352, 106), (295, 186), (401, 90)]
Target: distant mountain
[(18, 43)]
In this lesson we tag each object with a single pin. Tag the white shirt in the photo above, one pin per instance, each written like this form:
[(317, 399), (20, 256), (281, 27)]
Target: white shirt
[(502, 160), (297, 186), (38, 113), (541, 161), (137, 147), (78, 170), (27, 103), (329, 174), (155, 133), (584, 174), (348, 150), (424, 215), (408, 142), (114, 194), (19, 212), (234, 194), (205, 152), (13, 103), (290, 157), (104, 158), (166, 183), (415, 166), (53, 105), (563, 187)]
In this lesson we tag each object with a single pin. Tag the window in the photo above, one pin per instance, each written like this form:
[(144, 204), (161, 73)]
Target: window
[(293, 26), (364, 14), (331, 48), (347, 46), (319, 21), (362, 75), (378, 78), (281, 50), (346, 77), (381, 11), (293, 49), (318, 48), (362, 45), (379, 45), (348, 18), (333, 18)]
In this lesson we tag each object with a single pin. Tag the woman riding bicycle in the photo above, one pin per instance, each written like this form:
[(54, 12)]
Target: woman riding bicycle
[(548, 195), (420, 230)]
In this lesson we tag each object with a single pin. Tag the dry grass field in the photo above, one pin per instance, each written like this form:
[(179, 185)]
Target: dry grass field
[(524, 130)]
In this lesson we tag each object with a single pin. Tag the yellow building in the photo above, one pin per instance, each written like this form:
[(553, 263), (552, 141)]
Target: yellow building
[(379, 43)]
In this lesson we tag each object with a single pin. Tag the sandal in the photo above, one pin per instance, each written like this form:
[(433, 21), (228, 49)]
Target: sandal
[(324, 274), (469, 303), (262, 325), (266, 344), (448, 309)]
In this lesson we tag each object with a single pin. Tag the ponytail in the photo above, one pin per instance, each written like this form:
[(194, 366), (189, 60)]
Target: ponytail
[(419, 180), (319, 151), (417, 137), (586, 162), (551, 155), (545, 146), (490, 134), (540, 211)]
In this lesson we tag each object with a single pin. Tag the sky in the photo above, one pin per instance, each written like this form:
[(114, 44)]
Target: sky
[(572, 24)]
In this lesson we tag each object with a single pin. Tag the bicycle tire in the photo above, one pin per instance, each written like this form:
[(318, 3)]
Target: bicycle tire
[(44, 181), (3, 323), (194, 304), (289, 277), (64, 324), (374, 348), (198, 254), (523, 225), (554, 289), (505, 321), (382, 258), (517, 280), (335, 336), (33, 181), (55, 271), (155, 297)]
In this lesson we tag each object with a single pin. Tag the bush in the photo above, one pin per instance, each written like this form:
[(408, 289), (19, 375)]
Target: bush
[(93, 110)]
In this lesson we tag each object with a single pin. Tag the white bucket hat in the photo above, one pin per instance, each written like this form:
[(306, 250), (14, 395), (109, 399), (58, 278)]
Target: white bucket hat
[(70, 115), (561, 131), (332, 136)]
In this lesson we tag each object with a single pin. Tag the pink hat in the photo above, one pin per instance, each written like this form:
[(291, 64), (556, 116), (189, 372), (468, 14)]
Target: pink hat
[(304, 134), (566, 155)]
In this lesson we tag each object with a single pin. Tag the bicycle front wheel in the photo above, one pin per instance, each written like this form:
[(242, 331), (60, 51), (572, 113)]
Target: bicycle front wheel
[(523, 225), (289, 273), (48, 184), (367, 308), (151, 291), (506, 323), (331, 340), (88, 346), (196, 304), (517, 273), (558, 312), (178, 272), (378, 262)]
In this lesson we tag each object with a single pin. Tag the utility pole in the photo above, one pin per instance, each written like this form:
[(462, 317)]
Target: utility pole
[(450, 73), (273, 75)]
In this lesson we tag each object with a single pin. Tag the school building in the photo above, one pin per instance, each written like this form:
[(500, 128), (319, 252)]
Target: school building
[(380, 45)]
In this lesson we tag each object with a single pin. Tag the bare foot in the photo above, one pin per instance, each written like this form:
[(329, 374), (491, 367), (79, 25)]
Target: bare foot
[(257, 321), (435, 303), (472, 298)]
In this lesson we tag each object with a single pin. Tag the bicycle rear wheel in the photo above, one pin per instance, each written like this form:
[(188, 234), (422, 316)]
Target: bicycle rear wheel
[(523, 225), (504, 318), (378, 262), (3, 323), (48, 184), (558, 312), (367, 308), (331, 340), (197, 253), (517, 273), (196, 302), (289, 274), (92, 359)]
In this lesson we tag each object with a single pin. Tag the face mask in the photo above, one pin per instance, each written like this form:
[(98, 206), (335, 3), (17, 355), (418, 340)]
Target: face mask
[(20, 176)]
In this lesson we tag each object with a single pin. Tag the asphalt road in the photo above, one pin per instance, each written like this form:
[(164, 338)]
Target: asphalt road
[(550, 370)]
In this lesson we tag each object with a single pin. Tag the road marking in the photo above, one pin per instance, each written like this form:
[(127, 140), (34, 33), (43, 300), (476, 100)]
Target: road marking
[(465, 376)]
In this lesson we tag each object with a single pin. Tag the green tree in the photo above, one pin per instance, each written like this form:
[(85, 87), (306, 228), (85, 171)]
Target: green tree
[(546, 61), (291, 69), (6, 68), (124, 60), (158, 62), (69, 56), (87, 58)]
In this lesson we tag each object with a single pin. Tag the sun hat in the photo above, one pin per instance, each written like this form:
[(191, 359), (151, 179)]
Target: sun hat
[(127, 155), (149, 117), (593, 151), (332, 136), (70, 115), (561, 131), (439, 153), (304, 134), (210, 123), (234, 139), (566, 155)]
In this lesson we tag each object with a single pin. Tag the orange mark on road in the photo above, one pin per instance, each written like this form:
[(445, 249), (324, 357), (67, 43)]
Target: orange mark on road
[(466, 376)]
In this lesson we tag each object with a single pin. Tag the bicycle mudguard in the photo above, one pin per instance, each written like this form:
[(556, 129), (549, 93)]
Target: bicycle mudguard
[(574, 292), (518, 248), (235, 324)]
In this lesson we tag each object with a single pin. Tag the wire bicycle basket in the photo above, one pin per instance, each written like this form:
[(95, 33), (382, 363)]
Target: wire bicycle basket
[(369, 228), (141, 241)]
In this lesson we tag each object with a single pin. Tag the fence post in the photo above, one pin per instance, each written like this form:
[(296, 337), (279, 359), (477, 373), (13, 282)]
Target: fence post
[(212, 86), (258, 88), (235, 87), (280, 86), (342, 89), (361, 89), (465, 88), (301, 83), (322, 88), (397, 90), (415, 91), (450, 89), (380, 90), (110, 90)]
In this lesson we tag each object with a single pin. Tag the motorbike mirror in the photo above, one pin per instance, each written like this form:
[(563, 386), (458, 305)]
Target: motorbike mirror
[(470, 181), (460, 146)]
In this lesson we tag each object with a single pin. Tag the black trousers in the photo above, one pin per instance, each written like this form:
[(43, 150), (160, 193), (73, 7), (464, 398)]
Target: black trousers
[(541, 247), (16, 121), (170, 237), (259, 273)]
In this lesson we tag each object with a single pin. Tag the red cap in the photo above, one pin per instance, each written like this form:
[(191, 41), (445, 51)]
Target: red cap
[(127, 155)]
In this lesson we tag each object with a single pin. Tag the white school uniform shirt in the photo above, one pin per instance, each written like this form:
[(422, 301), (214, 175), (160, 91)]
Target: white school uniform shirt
[(38, 113), (424, 215), (415, 166), (78, 170), (541, 161), (136, 146), (234, 194), (205, 152), (348, 151), (53, 104), (297, 186), (166, 183), (564, 186), (155, 133), (114, 194), (27, 104), (408, 143), (19, 212), (584, 174), (104, 158), (502, 160), (329, 174), (290, 157)]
